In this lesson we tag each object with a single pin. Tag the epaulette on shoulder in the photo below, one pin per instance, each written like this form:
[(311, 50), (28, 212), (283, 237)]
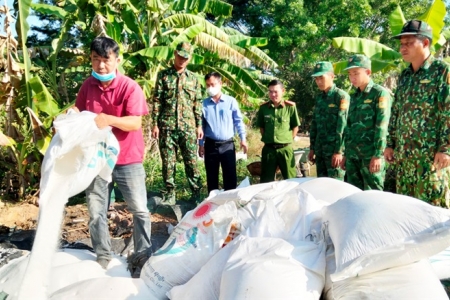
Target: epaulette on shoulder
[(290, 103), (264, 103)]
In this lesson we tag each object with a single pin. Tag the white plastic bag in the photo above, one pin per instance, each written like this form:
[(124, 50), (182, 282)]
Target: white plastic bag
[(271, 268), (111, 288), (200, 234), (328, 190), (374, 230), (78, 152), (414, 281), (441, 264)]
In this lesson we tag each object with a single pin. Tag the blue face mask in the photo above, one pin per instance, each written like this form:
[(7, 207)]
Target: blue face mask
[(106, 77)]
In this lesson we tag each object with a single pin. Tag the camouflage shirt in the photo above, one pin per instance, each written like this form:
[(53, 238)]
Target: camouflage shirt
[(177, 100), (367, 123), (329, 121), (420, 121), (277, 122)]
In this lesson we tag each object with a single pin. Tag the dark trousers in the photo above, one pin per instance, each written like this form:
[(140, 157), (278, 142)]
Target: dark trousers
[(220, 154)]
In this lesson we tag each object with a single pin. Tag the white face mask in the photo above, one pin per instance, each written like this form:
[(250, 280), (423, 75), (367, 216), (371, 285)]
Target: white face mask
[(213, 91)]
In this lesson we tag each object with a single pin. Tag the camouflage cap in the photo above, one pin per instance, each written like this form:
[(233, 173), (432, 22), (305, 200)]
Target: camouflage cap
[(321, 68), (184, 49), (415, 27), (359, 61)]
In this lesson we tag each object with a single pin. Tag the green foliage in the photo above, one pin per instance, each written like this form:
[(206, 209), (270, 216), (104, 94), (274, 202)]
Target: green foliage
[(300, 33), (21, 160)]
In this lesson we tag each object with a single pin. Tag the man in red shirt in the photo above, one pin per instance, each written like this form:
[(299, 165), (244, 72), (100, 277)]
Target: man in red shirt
[(120, 103)]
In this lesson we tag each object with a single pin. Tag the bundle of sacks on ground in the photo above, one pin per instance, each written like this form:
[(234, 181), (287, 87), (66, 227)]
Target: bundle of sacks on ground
[(299, 239)]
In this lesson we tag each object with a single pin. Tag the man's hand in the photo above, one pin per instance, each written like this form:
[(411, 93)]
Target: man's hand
[(389, 155), (375, 165), (311, 156), (336, 160), (343, 163), (244, 146), (102, 120), (441, 161), (155, 132), (199, 133), (201, 151)]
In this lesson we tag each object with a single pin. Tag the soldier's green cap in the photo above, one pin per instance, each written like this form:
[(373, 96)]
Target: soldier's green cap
[(321, 68), (359, 61), (415, 27), (184, 49)]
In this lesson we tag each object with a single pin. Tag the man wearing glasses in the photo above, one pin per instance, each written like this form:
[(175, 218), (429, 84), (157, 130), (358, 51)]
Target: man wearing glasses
[(419, 129)]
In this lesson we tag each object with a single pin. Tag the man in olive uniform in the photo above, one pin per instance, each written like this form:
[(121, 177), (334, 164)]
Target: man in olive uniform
[(367, 123), (419, 130), (328, 123), (278, 123), (177, 114)]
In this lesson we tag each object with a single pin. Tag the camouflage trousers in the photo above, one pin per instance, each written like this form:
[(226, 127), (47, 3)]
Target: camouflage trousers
[(358, 174), (185, 141), (417, 178), (324, 168)]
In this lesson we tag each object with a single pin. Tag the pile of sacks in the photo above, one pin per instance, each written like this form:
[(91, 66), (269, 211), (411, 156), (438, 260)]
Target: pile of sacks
[(294, 239)]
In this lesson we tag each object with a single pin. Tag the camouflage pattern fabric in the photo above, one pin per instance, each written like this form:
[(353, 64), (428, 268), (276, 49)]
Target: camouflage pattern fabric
[(169, 142), (177, 101), (327, 130), (177, 111), (419, 128), (365, 134), (359, 175)]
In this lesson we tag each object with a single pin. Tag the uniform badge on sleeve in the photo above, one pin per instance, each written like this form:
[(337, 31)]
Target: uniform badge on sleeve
[(344, 104), (382, 102)]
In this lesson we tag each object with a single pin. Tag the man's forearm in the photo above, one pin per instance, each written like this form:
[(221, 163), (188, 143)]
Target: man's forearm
[(127, 123)]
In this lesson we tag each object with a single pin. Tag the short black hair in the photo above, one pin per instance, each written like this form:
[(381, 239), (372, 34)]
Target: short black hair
[(276, 82), (422, 37), (103, 46), (213, 74)]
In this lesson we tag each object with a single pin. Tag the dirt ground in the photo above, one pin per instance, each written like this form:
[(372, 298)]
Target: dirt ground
[(75, 224)]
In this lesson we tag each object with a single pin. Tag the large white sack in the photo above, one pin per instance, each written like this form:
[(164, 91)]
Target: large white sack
[(294, 209), (299, 211), (414, 281), (375, 230), (243, 195), (441, 264), (205, 285), (328, 190), (330, 268), (78, 152), (68, 266), (200, 234), (11, 275), (111, 288), (271, 268)]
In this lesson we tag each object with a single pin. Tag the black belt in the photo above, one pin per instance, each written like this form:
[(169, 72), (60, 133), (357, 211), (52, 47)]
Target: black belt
[(277, 146), (219, 142)]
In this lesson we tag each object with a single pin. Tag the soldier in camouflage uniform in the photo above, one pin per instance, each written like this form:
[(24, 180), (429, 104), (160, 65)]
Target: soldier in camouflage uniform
[(177, 112), (278, 123), (367, 123), (419, 130), (328, 124)]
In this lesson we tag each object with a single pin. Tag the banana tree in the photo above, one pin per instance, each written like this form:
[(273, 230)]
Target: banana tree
[(148, 32), (384, 58)]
